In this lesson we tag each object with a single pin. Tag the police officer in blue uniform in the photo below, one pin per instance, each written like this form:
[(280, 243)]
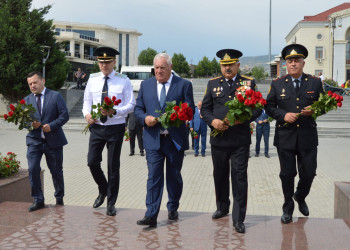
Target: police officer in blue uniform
[(288, 100), (232, 148)]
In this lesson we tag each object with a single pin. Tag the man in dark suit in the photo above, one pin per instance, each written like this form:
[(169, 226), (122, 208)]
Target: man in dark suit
[(287, 102), (233, 145), (46, 138), (135, 129), (161, 144), (200, 127), (262, 129)]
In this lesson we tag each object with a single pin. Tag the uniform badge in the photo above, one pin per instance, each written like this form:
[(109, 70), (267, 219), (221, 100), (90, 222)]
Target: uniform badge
[(305, 79), (286, 80), (221, 80), (214, 89), (221, 88), (283, 90)]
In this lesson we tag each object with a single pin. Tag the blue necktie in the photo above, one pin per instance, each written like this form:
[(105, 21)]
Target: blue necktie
[(38, 102), (162, 95), (104, 94)]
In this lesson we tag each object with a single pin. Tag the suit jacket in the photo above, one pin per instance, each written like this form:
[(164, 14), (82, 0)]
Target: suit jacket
[(213, 107), (54, 113), (131, 122), (282, 99), (197, 123), (147, 103)]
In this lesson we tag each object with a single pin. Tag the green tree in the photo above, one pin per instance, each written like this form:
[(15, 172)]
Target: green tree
[(215, 67), (258, 73), (203, 69), (22, 35), (146, 56), (180, 65)]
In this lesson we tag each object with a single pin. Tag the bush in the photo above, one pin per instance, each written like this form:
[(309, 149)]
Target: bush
[(8, 165), (331, 82)]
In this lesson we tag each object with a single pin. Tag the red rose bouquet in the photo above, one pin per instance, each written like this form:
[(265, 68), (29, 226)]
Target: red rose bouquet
[(127, 136), (194, 134), (175, 115), (8, 165), (108, 104), (241, 108), (22, 113), (251, 128)]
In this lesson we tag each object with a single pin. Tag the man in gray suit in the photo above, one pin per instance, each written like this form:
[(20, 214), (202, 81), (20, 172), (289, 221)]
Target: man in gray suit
[(135, 129)]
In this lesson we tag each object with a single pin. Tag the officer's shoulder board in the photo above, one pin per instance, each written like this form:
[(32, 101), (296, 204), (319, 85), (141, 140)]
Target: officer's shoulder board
[(215, 78), (95, 74), (247, 77), (280, 78), (120, 75)]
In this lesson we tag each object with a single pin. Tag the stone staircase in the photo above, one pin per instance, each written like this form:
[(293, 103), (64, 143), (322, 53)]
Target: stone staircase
[(76, 110)]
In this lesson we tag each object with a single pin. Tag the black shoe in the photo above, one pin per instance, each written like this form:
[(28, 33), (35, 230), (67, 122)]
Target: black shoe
[(219, 214), (142, 154), (99, 200), (239, 227), (267, 156), (256, 155), (36, 206), (111, 210), (147, 221), (303, 208), (286, 218), (131, 154), (195, 155), (59, 202), (173, 215), (203, 155)]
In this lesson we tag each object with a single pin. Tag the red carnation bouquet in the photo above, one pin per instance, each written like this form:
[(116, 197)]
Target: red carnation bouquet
[(108, 104), (241, 108), (22, 113), (175, 115)]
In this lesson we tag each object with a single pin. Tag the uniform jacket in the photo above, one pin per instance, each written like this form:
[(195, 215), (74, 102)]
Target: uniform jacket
[(147, 103), (213, 107), (282, 99), (197, 123), (54, 113)]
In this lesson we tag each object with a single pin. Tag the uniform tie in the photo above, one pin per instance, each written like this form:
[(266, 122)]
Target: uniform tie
[(162, 95), (104, 94), (38, 102), (297, 87), (230, 82)]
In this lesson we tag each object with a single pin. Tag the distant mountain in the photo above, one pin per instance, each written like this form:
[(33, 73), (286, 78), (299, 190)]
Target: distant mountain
[(251, 61)]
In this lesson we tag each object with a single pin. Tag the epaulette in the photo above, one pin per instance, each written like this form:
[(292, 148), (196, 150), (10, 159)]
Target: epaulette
[(95, 74), (215, 78), (120, 75), (278, 78), (248, 77)]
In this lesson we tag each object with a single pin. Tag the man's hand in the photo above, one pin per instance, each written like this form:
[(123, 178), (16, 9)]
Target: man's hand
[(46, 128), (89, 119), (219, 125), (260, 122), (191, 129), (291, 117), (36, 124), (150, 121), (110, 112), (307, 112), (265, 121)]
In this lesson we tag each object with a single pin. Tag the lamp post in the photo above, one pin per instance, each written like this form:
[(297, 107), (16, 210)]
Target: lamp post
[(45, 49), (269, 72)]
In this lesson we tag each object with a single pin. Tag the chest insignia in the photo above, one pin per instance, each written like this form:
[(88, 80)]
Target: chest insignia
[(283, 90), (286, 80), (310, 92)]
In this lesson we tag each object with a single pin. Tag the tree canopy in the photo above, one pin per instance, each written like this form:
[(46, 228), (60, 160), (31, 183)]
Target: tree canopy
[(180, 65), (146, 56), (23, 33), (258, 73)]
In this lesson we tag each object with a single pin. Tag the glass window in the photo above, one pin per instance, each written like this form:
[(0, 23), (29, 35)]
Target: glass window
[(138, 75), (319, 52)]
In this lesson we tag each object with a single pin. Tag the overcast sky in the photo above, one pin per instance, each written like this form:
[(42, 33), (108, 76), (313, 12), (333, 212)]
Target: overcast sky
[(195, 28)]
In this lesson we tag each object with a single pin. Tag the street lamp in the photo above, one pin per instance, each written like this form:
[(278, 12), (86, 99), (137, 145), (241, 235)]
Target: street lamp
[(47, 50)]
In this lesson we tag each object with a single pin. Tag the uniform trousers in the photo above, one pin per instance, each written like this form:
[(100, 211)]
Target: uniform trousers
[(237, 159), (112, 137), (291, 161)]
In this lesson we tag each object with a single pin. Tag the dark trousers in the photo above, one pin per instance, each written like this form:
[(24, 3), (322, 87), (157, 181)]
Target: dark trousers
[(54, 160), (262, 130), (112, 136), (305, 161), (133, 133), (237, 159), (80, 83), (202, 135), (155, 181)]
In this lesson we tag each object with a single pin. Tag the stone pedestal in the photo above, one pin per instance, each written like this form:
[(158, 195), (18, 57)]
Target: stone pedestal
[(342, 200), (17, 187)]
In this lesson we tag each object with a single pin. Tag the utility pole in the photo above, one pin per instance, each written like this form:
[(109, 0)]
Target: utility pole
[(269, 71)]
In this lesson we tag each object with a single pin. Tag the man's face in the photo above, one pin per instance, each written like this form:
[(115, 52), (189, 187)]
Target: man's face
[(162, 70), (36, 84), (107, 67), (199, 105), (229, 71), (295, 66), (79, 69)]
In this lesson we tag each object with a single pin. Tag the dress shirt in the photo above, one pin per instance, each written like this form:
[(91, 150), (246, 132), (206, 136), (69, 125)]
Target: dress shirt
[(119, 86), (233, 79), (167, 86), (293, 79)]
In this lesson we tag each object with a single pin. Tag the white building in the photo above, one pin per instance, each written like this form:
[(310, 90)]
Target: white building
[(327, 38), (82, 39)]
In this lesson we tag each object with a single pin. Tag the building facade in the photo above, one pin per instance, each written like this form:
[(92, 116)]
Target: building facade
[(81, 39)]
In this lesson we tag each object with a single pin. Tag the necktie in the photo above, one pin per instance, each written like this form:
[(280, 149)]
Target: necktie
[(104, 94), (297, 87), (162, 95), (230, 82), (38, 102)]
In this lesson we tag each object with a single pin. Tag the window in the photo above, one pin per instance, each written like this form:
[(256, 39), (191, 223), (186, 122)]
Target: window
[(318, 71), (319, 53)]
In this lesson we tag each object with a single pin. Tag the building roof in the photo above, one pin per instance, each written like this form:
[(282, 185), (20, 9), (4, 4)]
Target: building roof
[(323, 17)]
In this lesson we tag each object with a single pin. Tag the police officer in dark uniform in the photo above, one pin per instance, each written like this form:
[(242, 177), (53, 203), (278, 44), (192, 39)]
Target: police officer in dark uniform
[(296, 136), (234, 144)]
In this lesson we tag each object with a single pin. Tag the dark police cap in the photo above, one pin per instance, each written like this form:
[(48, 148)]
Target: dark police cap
[(293, 51), (228, 56), (105, 54)]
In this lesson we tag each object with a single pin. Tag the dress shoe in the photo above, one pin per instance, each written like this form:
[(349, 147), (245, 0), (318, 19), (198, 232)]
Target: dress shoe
[(173, 215), (267, 156), (36, 206), (142, 154), (203, 155), (303, 208), (111, 210), (59, 202), (131, 154), (286, 218), (256, 155), (147, 221), (99, 200), (219, 214), (239, 227), (195, 155)]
